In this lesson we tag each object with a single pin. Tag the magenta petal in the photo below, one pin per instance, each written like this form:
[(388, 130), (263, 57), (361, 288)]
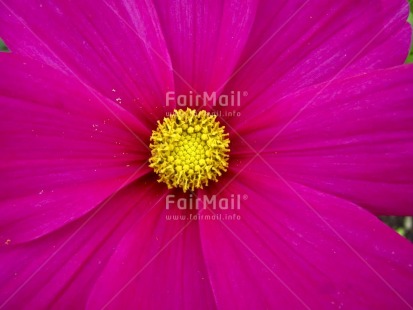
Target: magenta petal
[(205, 40), (299, 43), (64, 149), (352, 138), (314, 250), (114, 46), (58, 271), (157, 265)]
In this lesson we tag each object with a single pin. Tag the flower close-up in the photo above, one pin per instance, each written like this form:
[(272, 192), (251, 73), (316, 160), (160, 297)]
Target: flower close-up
[(182, 154)]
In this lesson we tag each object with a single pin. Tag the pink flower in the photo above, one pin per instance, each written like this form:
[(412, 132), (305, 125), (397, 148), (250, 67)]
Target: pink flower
[(321, 143)]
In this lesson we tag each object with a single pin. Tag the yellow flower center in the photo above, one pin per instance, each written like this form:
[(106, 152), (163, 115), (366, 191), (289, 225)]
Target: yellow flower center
[(189, 149)]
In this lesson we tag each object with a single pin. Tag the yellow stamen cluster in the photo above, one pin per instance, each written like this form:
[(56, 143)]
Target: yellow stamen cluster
[(189, 149)]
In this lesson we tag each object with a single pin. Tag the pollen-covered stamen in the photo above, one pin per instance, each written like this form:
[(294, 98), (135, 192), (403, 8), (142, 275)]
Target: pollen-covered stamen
[(189, 149)]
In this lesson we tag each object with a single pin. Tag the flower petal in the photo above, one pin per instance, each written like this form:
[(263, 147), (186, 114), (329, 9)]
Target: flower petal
[(157, 265), (315, 251), (352, 138), (115, 47), (205, 40), (59, 270), (64, 149), (299, 43)]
